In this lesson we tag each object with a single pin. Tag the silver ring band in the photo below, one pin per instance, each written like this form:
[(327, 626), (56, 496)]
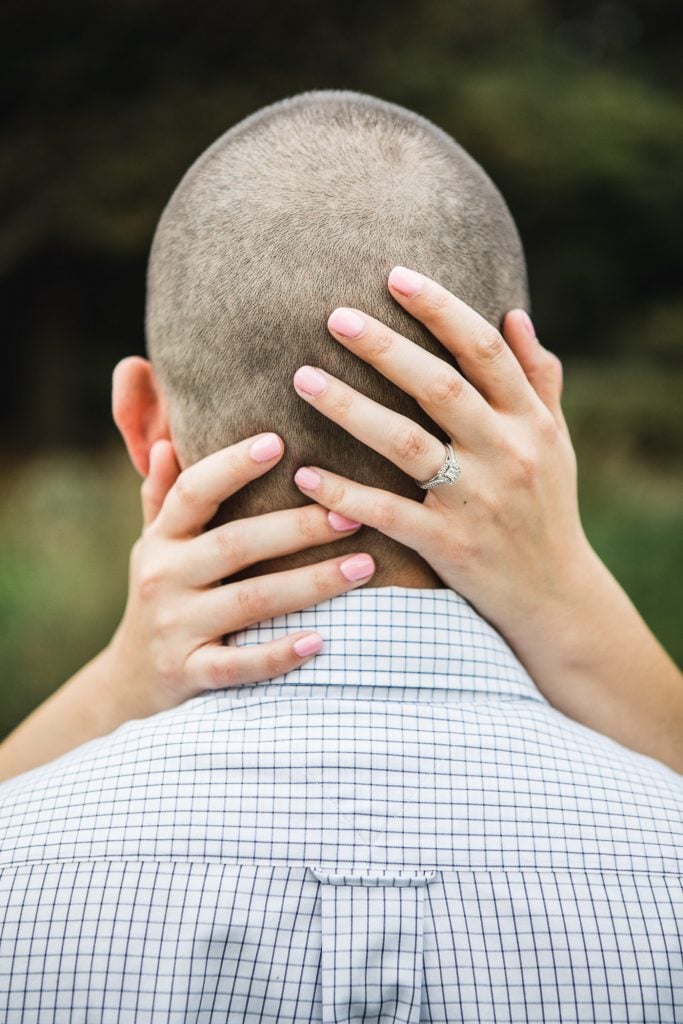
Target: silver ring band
[(448, 474)]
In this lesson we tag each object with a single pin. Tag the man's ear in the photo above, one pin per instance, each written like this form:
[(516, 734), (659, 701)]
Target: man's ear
[(139, 409)]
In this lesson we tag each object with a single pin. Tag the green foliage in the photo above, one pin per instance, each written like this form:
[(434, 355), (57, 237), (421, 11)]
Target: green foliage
[(573, 109), (626, 420), (67, 523)]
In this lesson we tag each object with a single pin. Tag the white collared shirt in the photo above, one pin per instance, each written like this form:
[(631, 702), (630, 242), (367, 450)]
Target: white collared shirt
[(401, 830)]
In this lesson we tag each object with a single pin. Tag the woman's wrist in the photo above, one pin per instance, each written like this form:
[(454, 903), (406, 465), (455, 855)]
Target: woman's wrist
[(543, 614), (555, 639), (581, 593), (126, 690), (595, 659)]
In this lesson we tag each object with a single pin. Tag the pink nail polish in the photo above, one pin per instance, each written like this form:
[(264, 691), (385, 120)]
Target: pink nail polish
[(405, 281), (526, 320), (265, 448), (357, 567), (307, 645), (309, 380), (346, 323), (340, 522), (306, 478)]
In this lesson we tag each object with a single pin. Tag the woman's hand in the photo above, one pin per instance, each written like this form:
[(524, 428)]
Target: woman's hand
[(507, 534), (170, 642), (169, 646)]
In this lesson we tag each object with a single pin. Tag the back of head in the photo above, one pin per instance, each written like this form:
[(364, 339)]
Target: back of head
[(302, 207)]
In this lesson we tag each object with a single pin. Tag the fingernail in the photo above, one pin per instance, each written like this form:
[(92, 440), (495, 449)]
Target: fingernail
[(346, 322), (307, 478), (526, 320), (357, 567), (308, 645), (309, 380), (265, 448), (407, 282), (340, 522)]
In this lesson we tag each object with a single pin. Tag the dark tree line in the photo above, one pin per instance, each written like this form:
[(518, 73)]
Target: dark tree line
[(572, 107)]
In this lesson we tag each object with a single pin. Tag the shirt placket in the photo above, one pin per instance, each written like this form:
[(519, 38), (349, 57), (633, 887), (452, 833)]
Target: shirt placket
[(372, 927)]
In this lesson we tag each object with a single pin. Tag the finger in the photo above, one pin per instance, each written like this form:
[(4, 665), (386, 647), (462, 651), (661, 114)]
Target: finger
[(236, 605), (199, 490), (215, 667), (443, 393), (400, 518), (543, 369), (478, 347), (163, 473), (405, 443), (228, 549)]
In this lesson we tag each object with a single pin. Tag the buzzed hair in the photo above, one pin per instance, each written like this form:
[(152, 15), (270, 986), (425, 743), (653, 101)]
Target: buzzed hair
[(302, 207)]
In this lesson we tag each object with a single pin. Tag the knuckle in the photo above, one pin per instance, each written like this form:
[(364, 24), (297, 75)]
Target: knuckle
[(221, 674), (165, 627), (324, 581), (556, 368), (230, 544), (489, 345), (150, 581), (276, 662), (385, 515), (447, 388), (343, 400), (252, 601), (410, 443), (461, 554), (380, 343), (186, 489), (335, 494), (457, 547), (550, 358), (171, 665), (435, 299), (497, 511), (548, 428), (306, 527), (525, 468)]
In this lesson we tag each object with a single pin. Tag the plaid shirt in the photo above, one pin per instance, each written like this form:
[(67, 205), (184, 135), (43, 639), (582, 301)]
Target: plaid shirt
[(401, 830)]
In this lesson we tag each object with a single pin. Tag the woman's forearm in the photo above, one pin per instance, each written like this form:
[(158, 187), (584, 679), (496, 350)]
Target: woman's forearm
[(594, 658)]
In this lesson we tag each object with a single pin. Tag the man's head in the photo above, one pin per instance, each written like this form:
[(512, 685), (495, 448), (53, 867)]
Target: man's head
[(302, 207)]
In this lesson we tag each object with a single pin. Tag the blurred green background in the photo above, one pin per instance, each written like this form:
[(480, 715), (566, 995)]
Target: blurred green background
[(573, 108)]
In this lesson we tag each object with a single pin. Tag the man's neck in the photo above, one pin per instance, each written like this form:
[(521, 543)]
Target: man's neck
[(417, 575), (396, 566)]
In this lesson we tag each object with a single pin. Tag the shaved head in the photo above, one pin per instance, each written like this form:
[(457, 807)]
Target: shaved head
[(302, 207)]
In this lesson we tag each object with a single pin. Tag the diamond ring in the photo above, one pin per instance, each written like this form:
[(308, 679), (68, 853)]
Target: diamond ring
[(448, 474)]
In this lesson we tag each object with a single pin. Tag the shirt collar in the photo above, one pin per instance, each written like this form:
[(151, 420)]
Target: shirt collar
[(401, 637)]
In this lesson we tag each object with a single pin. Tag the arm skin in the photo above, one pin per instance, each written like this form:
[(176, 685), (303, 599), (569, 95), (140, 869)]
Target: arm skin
[(600, 664), (169, 646), (507, 535)]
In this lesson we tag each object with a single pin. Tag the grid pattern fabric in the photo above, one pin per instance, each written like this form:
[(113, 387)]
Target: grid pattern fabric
[(401, 830)]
